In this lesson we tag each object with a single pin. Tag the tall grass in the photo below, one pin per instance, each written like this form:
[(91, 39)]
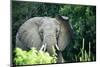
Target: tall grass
[(83, 54)]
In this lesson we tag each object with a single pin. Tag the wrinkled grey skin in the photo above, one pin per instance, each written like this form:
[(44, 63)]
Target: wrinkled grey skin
[(45, 33)]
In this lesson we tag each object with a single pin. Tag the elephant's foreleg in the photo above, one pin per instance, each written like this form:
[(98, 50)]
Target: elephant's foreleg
[(60, 57)]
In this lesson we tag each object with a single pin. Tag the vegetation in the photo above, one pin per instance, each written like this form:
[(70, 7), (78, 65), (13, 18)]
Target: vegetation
[(84, 55), (32, 57), (82, 18)]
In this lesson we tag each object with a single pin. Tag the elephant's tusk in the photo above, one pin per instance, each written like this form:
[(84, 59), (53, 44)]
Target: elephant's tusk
[(57, 47), (45, 47), (42, 47)]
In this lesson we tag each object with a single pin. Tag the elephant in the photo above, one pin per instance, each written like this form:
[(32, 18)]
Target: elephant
[(45, 33)]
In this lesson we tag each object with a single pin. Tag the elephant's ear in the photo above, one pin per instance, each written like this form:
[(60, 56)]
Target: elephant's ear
[(65, 33)]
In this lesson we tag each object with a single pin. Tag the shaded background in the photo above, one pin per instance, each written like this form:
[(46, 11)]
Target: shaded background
[(82, 18)]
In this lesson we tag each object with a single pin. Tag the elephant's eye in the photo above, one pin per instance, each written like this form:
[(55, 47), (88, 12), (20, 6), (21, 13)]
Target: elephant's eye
[(41, 33), (57, 32)]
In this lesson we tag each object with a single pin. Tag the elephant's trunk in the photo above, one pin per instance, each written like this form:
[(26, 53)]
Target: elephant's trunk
[(50, 43)]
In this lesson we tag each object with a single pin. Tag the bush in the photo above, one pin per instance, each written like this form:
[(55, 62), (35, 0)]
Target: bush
[(33, 56)]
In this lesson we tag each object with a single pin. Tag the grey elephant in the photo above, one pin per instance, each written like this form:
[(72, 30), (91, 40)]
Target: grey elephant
[(45, 33)]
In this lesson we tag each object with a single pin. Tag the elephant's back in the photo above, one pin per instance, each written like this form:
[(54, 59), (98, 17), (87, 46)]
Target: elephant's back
[(31, 22)]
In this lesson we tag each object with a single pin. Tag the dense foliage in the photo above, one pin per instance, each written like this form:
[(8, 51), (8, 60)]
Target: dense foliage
[(33, 56), (82, 18)]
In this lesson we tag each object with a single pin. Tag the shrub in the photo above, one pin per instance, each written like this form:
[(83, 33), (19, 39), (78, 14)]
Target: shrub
[(33, 56)]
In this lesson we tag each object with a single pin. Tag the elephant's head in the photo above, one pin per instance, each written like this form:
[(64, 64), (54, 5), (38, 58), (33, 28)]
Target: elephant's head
[(49, 31), (55, 34)]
